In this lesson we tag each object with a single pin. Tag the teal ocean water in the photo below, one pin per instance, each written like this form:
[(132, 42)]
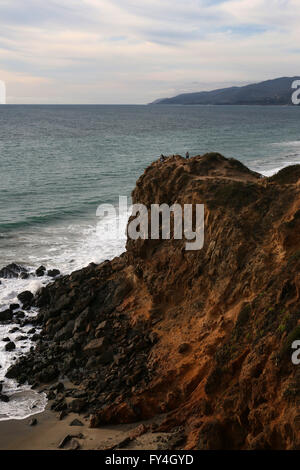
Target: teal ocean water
[(58, 163)]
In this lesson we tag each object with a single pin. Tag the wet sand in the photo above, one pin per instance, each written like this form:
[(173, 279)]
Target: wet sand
[(49, 432)]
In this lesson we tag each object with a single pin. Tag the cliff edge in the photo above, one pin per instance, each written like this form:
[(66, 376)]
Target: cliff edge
[(201, 338)]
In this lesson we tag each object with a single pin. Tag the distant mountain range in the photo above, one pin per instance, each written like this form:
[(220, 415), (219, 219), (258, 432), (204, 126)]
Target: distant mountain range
[(271, 92)]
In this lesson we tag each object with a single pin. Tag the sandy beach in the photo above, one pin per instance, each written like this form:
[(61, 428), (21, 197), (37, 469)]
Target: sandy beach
[(49, 432)]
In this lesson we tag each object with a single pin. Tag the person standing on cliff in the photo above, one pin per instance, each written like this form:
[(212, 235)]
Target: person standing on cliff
[(187, 155)]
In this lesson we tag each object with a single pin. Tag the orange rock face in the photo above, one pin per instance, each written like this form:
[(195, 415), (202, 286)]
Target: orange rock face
[(201, 338), (223, 317)]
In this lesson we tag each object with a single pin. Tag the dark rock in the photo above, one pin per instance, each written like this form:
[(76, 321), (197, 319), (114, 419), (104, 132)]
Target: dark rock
[(14, 329), (59, 405), (212, 436), (51, 395), (24, 275), (53, 272), (74, 445), (60, 387), (63, 414), (31, 331), (6, 340), (81, 320), (11, 271), (21, 338), (48, 374), (10, 346), (4, 398), (77, 405), (33, 422), (79, 394), (20, 315), (13, 307), (14, 371), (64, 441), (76, 422), (25, 297), (65, 332), (6, 315), (40, 271), (96, 346), (35, 337), (106, 357)]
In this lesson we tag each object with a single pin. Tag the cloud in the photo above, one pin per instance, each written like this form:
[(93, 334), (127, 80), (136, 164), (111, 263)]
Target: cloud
[(133, 51)]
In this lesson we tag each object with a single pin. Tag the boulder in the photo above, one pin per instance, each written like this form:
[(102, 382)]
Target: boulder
[(53, 272), (25, 297), (24, 275), (19, 315), (14, 371), (96, 346), (74, 444), (4, 398), (64, 441), (21, 338), (77, 405), (11, 271), (76, 422), (48, 374), (14, 329), (13, 307), (65, 332), (31, 331), (35, 337), (10, 346), (59, 387), (40, 271), (6, 315), (100, 328), (81, 320)]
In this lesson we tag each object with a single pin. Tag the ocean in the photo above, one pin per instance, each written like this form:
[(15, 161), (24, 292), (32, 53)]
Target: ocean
[(58, 163)]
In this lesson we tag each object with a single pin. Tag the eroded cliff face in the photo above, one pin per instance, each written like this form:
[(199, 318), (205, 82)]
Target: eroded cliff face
[(203, 336)]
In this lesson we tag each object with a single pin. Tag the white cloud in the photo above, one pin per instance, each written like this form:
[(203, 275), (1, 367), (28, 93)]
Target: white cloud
[(133, 51)]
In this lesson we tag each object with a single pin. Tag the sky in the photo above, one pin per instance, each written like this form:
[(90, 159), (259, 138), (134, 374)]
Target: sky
[(135, 51)]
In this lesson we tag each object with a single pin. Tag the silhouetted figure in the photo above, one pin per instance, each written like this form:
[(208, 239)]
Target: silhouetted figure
[(187, 155)]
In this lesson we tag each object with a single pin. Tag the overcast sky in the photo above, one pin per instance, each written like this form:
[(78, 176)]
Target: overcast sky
[(134, 51)]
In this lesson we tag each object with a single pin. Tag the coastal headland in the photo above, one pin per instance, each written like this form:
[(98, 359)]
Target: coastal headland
[(195, 345)]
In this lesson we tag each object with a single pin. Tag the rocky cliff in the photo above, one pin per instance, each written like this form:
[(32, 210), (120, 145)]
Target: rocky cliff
[(202, 338)]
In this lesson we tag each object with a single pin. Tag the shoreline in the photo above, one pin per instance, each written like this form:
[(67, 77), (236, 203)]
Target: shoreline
[(200, 351), (49, 433)]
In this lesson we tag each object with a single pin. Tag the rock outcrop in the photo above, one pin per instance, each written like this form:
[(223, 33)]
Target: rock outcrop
[(202, 338)]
